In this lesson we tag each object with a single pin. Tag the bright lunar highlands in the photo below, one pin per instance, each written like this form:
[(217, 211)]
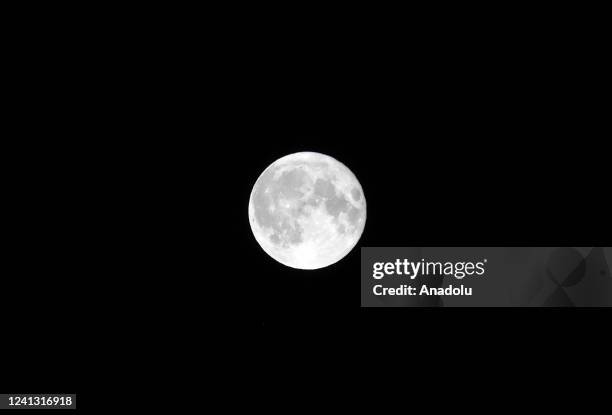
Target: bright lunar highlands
[(307, 210)]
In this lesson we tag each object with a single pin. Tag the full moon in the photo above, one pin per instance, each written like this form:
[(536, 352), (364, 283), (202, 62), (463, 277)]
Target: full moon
[(307, 210)]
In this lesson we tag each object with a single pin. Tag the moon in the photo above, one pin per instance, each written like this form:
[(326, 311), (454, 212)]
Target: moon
[(307, 210)]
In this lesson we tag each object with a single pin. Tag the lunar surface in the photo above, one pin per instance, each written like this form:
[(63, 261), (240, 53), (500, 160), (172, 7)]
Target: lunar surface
[(307, 210)]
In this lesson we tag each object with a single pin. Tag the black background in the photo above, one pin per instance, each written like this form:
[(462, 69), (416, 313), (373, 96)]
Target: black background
[(130, 187)]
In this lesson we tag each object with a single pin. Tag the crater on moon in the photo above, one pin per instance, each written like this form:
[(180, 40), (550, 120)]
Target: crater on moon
[(307, 210)]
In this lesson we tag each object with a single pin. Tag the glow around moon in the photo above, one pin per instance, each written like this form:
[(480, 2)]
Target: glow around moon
[(307, 210)]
